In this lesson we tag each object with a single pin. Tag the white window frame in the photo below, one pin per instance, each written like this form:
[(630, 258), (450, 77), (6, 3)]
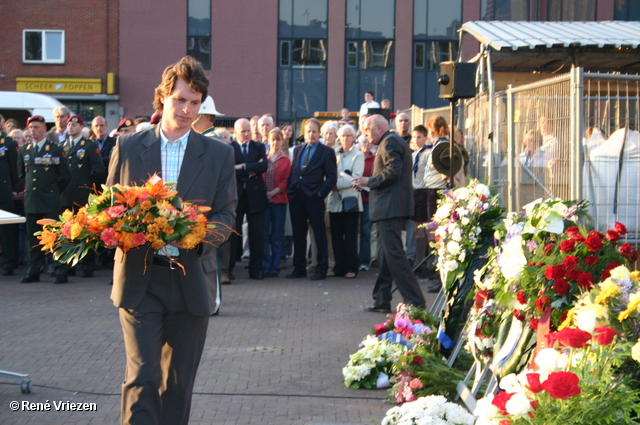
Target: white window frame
[(44, 47)]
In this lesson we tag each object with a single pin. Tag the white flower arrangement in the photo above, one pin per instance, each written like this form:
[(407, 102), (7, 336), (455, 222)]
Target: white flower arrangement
[(430, 410), (369, 361)]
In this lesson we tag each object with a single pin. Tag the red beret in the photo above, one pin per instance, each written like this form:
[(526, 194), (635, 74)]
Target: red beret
[(77, 119), (126, 122), (155, 118), (36, 118)]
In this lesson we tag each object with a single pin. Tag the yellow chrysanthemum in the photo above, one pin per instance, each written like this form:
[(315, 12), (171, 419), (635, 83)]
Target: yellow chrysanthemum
[(608, 290), (67, 215), (569, 320), (634, 302), (635, 276)]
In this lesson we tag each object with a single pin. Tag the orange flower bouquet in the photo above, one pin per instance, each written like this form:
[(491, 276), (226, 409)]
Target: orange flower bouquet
[(127, 217)]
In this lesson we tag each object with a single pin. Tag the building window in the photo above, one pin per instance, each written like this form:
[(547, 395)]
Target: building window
[(572, 10), (199, 31), (435, 40), (43, 46), (505, 10), (302, 70), (370, 33)]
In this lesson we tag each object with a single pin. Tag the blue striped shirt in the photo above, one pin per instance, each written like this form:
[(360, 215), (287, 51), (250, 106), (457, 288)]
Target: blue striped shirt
[(172, 154)]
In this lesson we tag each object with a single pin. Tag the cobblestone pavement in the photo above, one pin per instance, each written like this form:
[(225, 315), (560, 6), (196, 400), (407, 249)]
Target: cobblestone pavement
[(274, 355)]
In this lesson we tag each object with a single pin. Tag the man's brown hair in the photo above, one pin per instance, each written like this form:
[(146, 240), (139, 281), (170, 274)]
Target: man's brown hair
[(187, 69)]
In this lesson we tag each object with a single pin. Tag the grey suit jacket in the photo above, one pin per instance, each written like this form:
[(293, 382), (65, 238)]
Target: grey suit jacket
[(391, 180), (207, 178)]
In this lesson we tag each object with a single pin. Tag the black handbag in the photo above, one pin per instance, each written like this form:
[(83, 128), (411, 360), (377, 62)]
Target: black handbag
[(350, 204)]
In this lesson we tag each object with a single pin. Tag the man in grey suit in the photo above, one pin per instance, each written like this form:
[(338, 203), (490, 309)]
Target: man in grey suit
[(164, 312), (390, 204)]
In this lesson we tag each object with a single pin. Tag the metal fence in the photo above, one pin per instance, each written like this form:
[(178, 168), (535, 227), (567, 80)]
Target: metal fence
[(574, 136)]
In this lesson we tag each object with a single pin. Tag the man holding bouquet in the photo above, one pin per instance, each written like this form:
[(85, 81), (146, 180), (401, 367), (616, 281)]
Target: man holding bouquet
[(165, 309)]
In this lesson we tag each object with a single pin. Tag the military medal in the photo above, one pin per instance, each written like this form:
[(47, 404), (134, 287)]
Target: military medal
[(80, 152), (46, 148), (3, 150)]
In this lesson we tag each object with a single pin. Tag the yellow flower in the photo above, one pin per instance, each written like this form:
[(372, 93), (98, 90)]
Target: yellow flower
[(189, 241), (75, 231), (569, 320), (67, 215), (634, 302), (608, 290), (635, 276), (635, 352)]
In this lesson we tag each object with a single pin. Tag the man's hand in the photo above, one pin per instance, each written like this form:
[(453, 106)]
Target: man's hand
[(358, 182), (239, 166)]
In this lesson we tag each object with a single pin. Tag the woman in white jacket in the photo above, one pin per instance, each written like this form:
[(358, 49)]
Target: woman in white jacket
[(345, 205)]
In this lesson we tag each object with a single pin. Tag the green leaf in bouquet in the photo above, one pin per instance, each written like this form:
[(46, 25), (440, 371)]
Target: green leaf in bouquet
[(176, 202), (179, 231)]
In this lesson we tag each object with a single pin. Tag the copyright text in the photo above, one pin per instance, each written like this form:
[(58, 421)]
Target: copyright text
[(57, 406)]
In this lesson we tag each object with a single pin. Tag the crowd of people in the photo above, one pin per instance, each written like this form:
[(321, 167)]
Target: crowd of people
[(296, 197)]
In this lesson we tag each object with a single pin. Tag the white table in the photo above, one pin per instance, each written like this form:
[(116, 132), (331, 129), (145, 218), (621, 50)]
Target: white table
[(10, 218)]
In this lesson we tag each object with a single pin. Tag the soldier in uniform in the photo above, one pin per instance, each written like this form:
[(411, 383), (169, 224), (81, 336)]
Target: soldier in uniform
[(87, 171), (8, 180), (43, 167)]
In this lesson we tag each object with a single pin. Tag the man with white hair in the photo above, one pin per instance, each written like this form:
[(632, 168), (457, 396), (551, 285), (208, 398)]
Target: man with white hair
[(58, 134), (265, 125)]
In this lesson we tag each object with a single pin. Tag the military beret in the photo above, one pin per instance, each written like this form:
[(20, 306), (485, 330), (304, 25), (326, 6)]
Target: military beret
[(36, 118), (126, 122), (77, 119), (155, 118)]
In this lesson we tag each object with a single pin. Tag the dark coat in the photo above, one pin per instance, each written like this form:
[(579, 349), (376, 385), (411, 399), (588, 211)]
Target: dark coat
[(207, 178), (250, 178), (105, 150), (46, 175), (85, 165), (391, 181), (8, 169), (319, 176)]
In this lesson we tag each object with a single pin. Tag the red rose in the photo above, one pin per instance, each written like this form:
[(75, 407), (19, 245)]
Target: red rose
[(567, 245), (518, 314), (572, 274), (591, 260), (570, 261), (381, 328), (500, 400), (578, 238), (504, 422), (594, 243), (595, 234), (628, 252), (548, 248), (612, 235), (533, 380), (534, 324), (561, 286), (573, 230), (542, 303), (563, 316), (559, 271), (548, 272), (481, 296), (418, 360), (620, 228), (607, 272), (574, 338), (522, 298), (562, 385), (603, 335), (585, 281)]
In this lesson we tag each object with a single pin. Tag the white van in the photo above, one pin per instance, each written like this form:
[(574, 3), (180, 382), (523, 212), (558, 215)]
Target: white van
[(22, 105)]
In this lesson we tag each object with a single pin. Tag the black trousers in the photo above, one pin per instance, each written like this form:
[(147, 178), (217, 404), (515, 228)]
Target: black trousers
[(164, 344), (9, 241), (344, 239), (305, 209), (256, 235), (394, 266)]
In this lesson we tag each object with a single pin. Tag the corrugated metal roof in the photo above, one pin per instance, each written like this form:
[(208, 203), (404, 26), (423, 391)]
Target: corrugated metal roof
[(531, 35)]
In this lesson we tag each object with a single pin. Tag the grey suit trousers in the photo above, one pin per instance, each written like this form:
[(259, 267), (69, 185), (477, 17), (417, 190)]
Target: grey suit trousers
[(394, 266), (164, 344)]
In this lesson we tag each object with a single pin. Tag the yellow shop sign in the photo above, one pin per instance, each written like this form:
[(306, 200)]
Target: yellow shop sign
[(59, 85)]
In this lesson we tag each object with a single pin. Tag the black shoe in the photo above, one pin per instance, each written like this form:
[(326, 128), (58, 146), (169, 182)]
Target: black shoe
[(30, 279), (377, 309), (318, 276), (374, 263), (435, 288), (7, 272), (61, 279), (274, 274), (231, 276), (224, 280), (87, 273), (256, 276), (295, 274)]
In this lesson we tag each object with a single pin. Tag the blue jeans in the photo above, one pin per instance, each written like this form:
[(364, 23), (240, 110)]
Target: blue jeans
[(274, 217), (364, 256)]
